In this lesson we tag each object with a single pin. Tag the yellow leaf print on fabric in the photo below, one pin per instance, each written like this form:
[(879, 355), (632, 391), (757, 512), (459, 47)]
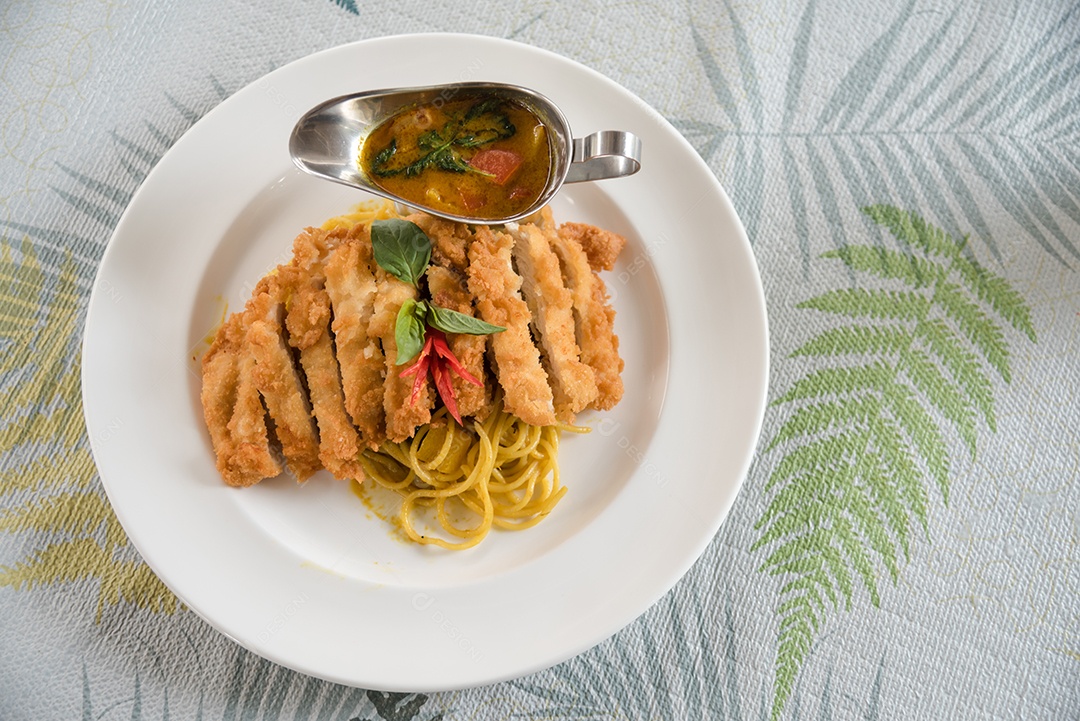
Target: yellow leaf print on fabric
[(48, 490)]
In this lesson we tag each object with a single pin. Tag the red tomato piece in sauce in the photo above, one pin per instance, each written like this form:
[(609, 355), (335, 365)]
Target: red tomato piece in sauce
[(472, 200), (501, 164)]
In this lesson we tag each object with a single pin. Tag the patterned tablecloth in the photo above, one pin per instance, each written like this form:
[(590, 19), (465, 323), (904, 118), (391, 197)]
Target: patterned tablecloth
[(907, 542)]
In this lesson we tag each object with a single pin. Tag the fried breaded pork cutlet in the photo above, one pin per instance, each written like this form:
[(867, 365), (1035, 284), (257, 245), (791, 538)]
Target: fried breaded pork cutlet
[(449, 241), (593, 318), (448, 290), (234, 411), (308, 370), (573, 384), (601, 246), (307, 321), (351, 286), (403, 411), (278, 379), (496, 285)]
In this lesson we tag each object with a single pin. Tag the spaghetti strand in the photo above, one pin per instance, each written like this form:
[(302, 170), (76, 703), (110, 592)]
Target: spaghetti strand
[(501, 473)]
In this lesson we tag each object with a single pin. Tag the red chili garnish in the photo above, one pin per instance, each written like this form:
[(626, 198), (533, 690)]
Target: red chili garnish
[(440, 363), (420, 368), (443, 350), (446, 390)]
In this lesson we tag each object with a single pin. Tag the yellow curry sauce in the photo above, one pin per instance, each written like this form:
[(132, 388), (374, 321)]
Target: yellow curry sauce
[(481, 156)]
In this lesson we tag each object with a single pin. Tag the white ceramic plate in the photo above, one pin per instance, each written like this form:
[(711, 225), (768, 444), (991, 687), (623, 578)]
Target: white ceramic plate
[(305, 575)]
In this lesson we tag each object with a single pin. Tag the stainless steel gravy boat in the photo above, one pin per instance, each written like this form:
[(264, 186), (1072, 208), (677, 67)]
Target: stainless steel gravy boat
[(326, 142)]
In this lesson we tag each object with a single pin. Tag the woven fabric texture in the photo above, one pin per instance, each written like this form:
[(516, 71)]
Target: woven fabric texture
[(907, 542)]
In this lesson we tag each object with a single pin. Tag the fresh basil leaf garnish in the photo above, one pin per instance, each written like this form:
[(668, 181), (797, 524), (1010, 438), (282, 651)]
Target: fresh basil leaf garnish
[(401, 248), (450, 321), (409, 330)]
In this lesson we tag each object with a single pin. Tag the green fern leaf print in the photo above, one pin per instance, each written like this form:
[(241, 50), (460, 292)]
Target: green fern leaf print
[(49, 492), (47, 487), (348, 6), (911, 361)]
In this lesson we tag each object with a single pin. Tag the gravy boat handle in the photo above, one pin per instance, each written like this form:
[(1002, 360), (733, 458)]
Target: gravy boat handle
[(604, 154)]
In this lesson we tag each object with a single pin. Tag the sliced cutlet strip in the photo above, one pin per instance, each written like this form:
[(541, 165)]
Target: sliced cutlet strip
[(573, 383), (251, 445), (308, 322), (601, 246), (542, 219), (220, 375), (403, 412), (496, 286), (447, 290), (449, 241), (233, 410), (593, 318), (312, 246), (351, 286), (278, 380)]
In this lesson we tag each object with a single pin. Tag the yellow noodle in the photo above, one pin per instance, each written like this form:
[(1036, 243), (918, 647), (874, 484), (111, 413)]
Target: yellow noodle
[(362, 214), (502, 472)]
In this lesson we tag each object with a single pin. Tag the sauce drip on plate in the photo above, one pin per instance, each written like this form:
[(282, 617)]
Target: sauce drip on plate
[(482, 156)]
